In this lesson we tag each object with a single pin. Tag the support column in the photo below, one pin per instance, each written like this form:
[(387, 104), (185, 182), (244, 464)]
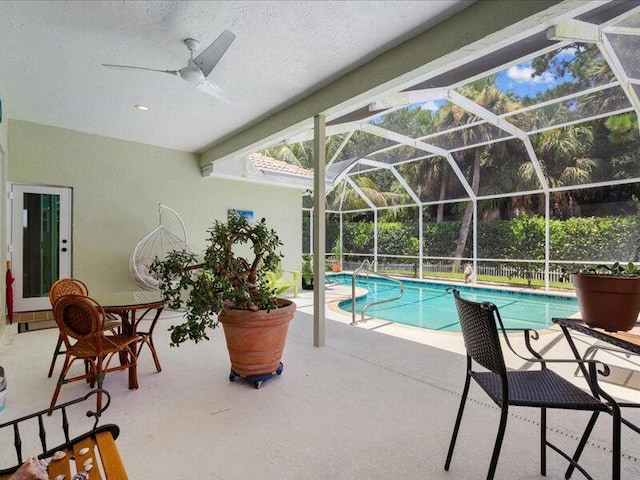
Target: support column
[(319, 225), (375, 240), (421, 240), (547, 238), (475, 240)]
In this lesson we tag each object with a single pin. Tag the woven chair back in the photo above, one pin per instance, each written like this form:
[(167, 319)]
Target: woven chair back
[(480, 333), (78, 316), (67, 286)]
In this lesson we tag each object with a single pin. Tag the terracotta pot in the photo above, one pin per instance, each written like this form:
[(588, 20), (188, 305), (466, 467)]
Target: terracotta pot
[(607, 302), (336, 267), (255, 340)]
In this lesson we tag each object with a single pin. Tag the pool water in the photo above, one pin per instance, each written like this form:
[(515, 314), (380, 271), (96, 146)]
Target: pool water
[(428, 305)]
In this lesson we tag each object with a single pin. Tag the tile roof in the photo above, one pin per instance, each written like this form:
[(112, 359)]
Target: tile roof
[(267, 163)]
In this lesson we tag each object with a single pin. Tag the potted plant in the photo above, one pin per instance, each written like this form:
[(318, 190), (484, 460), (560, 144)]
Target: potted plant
[(609, 296), (228, 289), (307, 272), (337, 257)]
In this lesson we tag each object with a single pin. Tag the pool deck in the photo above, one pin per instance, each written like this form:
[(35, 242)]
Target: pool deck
[(625, 371), (377, 402)]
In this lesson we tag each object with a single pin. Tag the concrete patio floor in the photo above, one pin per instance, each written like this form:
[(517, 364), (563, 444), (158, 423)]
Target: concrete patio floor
[(368, 405)]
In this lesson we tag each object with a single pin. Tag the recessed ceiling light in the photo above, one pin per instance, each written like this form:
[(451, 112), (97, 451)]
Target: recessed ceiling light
[(142, 108)]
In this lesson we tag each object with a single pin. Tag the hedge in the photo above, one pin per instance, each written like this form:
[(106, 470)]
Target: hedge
[(600, 239)]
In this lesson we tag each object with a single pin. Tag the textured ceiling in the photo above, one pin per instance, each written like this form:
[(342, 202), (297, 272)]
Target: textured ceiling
[(51, 56)]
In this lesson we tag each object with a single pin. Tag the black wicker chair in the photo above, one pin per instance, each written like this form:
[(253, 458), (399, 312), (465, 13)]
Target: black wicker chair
[(540, 388)]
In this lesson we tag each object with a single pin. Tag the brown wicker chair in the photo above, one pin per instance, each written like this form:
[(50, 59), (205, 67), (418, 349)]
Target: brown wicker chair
[(72, 286), (82, 319), (530, 388)]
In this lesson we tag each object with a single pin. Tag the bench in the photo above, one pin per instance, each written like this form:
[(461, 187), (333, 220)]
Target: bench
[(98, 443)]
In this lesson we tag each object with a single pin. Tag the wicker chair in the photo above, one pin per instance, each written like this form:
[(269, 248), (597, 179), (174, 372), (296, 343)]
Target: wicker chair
[(72, 286), (531, 388), (82, 319)]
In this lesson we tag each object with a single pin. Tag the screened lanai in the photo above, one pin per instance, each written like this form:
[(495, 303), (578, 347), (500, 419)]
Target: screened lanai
[(523, 163)]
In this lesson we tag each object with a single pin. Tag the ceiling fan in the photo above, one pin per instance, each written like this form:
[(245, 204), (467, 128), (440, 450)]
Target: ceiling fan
[(198, 69)]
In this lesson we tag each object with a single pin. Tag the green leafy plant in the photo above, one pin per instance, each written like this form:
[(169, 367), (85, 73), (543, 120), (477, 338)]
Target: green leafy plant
[(307, 268), (223, 280), (337, 250), (616, 270)]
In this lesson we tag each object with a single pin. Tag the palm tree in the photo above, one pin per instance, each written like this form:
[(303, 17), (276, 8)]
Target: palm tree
[(353, 201), (485, 93), (563, 156)]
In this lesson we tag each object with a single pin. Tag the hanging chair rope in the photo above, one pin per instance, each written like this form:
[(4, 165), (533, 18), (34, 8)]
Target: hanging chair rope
[(155, 245)]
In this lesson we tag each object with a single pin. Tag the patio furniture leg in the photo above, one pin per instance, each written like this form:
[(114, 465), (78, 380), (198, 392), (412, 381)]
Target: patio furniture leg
[(454, 436), (154, 353), (543, 442), (65, 368), (498, 445), (616, 442), (133, 368), (56, 352), (582, 443)]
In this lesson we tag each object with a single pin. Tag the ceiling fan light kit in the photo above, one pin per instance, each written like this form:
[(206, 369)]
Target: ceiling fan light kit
[(198, 69)]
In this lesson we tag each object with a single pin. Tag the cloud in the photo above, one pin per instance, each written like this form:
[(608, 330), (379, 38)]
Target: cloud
[(431, 105), (523, 75)]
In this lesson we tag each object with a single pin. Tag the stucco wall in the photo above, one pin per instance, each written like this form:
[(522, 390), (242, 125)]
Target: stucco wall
[(117, 186), (4, 131)]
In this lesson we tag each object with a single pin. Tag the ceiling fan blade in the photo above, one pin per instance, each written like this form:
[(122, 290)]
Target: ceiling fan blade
[(210, 88), (211, 55), (170, 72)]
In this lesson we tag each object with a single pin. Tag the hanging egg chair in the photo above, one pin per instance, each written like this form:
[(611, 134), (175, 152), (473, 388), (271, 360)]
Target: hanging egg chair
[(156, 244)]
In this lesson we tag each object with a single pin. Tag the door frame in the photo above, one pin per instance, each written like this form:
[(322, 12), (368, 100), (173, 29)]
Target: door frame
[(16, 207)]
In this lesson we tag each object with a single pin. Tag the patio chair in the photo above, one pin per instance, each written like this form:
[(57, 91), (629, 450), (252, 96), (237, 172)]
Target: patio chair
[(72, 286), (530, 388), (82, 319), (75, 431), (280, 284)]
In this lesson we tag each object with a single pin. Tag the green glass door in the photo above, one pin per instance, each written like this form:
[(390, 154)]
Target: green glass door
[(41, 243)]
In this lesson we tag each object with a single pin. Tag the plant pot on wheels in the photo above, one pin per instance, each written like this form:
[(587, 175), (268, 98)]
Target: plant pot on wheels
[(236, 290), (256, 339), (608, 302)]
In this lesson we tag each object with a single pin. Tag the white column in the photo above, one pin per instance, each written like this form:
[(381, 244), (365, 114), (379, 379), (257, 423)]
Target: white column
[(547, 238), (421, 240), (375, 240), (319, 237)]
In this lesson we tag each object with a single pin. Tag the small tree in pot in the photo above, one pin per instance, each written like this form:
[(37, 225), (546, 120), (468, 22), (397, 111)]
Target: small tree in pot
[(227, 288)]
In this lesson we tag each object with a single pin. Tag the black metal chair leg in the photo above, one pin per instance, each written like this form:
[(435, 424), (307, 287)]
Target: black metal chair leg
[(543, 442), (616, 442), (582, 443), (454, 436), (498, 444)]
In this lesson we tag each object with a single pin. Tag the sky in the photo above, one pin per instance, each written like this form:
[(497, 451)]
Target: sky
[(517, 79)]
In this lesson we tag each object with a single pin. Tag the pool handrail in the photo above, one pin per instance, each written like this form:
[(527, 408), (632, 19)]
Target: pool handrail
[(367, 305)]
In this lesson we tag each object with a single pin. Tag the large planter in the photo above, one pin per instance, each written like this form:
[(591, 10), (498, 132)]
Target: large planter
[(608, 302), (255, 340)]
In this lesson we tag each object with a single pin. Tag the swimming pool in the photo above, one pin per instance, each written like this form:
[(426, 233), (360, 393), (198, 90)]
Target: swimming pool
[(428, 305)]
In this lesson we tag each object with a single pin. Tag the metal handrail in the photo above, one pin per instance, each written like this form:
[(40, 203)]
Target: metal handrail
[(367, 305)]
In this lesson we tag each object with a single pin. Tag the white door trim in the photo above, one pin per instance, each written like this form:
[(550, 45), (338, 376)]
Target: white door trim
[(17, 218)]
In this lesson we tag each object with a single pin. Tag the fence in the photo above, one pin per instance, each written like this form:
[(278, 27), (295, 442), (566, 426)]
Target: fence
[(500, 270)]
